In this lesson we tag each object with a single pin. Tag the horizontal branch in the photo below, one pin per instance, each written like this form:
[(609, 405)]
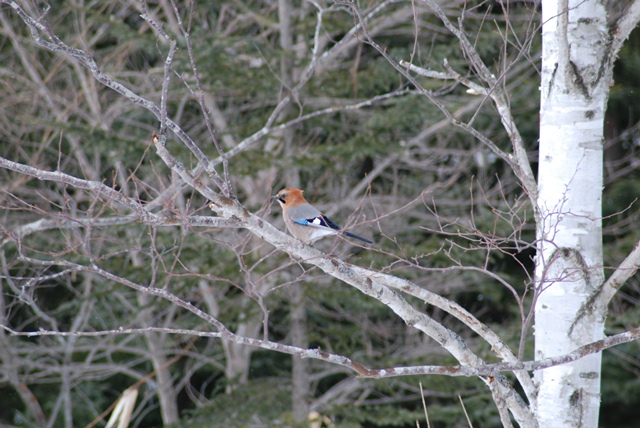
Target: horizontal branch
[(94, 187), (64, 222), (359, 369), (270, 128)]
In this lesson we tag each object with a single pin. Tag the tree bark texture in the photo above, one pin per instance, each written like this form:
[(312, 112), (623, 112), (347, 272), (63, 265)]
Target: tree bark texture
[(574, 90)]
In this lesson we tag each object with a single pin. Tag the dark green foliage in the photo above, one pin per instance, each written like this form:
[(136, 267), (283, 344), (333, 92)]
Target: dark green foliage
[(620, 390), (476, 217), (264, 401), (620, 208)]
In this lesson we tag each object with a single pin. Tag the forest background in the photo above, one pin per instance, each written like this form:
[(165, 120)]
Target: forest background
[(276, 94)]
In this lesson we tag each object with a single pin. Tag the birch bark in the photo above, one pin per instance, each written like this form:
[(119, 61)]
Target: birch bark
[(574, 91)]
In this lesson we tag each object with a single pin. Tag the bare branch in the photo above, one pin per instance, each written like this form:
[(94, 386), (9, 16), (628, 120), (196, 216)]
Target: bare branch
[(362, 371), (627, 22), (519, 161), (56, 45), (619, 277)]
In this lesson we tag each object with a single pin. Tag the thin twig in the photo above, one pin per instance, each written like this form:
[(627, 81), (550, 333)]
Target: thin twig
[(424, 406), (465, 411)]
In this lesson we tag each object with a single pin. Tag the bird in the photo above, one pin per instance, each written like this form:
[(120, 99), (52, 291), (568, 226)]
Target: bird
[(305, 221)]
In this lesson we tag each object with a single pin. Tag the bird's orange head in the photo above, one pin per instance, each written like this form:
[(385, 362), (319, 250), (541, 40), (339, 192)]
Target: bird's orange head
[(289, 196)]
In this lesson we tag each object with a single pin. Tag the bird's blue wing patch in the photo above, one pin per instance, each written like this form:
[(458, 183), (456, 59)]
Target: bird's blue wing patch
[(321, 221)]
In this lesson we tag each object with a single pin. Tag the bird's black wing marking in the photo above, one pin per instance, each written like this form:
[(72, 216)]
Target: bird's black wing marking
[(327, 222), (324, 221)]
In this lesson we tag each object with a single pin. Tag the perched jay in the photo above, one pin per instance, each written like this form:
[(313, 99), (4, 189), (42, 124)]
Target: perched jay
[(304, 221)]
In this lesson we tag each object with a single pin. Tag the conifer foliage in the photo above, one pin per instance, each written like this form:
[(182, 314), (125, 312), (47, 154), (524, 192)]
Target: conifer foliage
[(145, 269)]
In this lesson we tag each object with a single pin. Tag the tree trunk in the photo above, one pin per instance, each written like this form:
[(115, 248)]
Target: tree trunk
[(167, 392), (156, 343), (237, 356), (574, 91), (300, 366)]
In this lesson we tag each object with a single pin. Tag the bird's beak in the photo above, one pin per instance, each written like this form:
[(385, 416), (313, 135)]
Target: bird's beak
[(275, 198)]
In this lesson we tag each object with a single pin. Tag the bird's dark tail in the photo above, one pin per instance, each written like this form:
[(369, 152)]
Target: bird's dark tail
[(352, 235)]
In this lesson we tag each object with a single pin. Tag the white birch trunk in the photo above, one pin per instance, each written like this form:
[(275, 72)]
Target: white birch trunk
[(575, 86)]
